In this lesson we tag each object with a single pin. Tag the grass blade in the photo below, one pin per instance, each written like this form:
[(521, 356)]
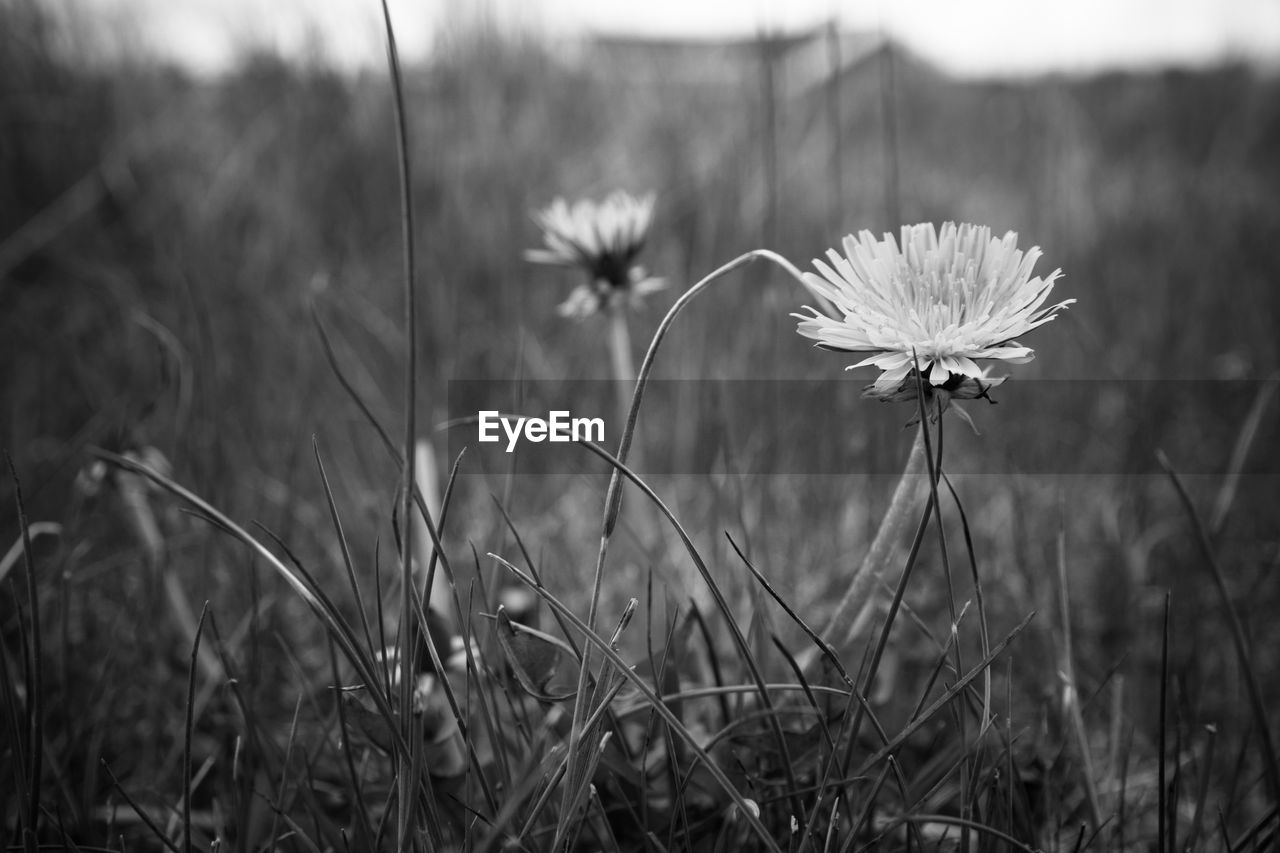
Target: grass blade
[(405, 782), (331, 620), (945, 698), (652, 698), (1239, 453), (1161, 791), (19, 548), (187, 730), (1261, 719), (1072, 690), (343, 547), (35, 691), (138, 810)]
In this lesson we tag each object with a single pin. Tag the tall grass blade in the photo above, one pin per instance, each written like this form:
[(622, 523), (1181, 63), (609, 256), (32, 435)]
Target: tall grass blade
[(540, 773), (35, 688), (19, 547), (426, 480), (356, 790), (460, 719), (1240, 453), (533, 570), (942, 701), (140, 812), (331, 357), (1072, 689), (975, 826), (347, 564), (742, 648), (652, 698), (301, 585), (1260, 717), (1202, 792), (1162, 743), (646, 366), (984, 631), (613, 499), (13, 715), (187, 730), (1254, 831), (828, 653)]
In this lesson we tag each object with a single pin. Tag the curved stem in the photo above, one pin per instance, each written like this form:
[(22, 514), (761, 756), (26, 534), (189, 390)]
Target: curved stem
[(646, 366), (613, 499)]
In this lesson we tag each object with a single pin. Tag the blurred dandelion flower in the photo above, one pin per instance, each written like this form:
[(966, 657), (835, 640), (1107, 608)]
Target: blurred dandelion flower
[(937, 304), (603, 239)]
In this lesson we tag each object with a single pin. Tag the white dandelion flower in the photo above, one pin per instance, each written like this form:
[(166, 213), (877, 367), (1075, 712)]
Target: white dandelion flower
[(939, 303), (603, 239)]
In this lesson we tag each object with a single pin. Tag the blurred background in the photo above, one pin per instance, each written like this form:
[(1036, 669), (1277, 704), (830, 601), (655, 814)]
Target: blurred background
[(187, 189)]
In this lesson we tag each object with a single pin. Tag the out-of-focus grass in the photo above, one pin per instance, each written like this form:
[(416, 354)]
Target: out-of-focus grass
[(187, 228)]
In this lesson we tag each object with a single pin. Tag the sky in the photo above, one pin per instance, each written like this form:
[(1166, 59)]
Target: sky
[(965, 37)]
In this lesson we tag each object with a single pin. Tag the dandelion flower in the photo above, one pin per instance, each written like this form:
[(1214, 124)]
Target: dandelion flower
[(603, 239), (939, 303)]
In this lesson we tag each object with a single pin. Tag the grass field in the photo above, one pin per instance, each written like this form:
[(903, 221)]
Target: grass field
[(205, 276)]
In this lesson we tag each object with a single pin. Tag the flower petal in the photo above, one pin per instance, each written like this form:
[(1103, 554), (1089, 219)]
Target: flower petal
[(954, 295), (582, 303)]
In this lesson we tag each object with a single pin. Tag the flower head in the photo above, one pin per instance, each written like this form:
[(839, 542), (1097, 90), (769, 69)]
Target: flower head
[(603, 239), (936, 304)]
